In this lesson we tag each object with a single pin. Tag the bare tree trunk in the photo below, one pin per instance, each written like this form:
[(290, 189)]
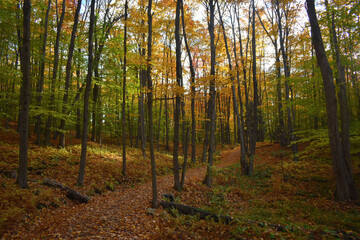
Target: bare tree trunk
[(254, 121), (345, 187), (78, 113), (24, 97), (40, 83), (84, 138), (54, 75), (240, 134), (211, 107), (287, 76), (341, 82), (68, 72), (184, 167), (193, 93), (150, 99), (129, 120), (178, 99), (124, 93)]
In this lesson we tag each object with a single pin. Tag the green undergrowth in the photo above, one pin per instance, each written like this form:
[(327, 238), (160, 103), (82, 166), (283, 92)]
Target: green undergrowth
[(282, 200)]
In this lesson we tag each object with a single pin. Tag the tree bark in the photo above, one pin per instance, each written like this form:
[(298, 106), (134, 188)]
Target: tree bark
[(24, 97), (192, 87), (40, 83), (54, 74), (341, 82), (124, 93), (177, 98), (244, 164), (150, 99), (68, 72), (211, 106), (86, 97), (287, 88)]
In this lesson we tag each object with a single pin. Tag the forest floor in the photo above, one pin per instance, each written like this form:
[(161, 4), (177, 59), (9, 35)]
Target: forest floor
[(282, 200)]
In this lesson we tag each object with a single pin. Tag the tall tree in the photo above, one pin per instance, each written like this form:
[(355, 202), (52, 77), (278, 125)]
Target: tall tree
[(177, 98), (84, 136), (345, 187), (150, 100), (68, 72), (193, 92), (244, 163), (40, 83), (54, 73), (341, 82), (24, 97), (254, 122), (124, 92), (287, 76), (211, 105)]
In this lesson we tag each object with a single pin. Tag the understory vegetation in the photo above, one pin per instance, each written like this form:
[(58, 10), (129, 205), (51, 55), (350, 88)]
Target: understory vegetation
[(283, 198)]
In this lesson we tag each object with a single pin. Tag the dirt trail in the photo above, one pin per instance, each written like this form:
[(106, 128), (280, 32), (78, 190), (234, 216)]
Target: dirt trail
[(113, 215)]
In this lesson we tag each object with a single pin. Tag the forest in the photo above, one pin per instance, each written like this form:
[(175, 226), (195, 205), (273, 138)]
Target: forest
[(180, 119)]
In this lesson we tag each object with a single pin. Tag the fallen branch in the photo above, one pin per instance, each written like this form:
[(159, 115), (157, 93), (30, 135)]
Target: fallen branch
[(70, 193), (184, 209)]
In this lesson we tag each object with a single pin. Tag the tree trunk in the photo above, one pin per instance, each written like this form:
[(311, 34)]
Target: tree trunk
[(78, 112), (124, 94), (68, 73), (86, 97), (211, 107), (24, 97), (240, 134), (150, 100), (345, 187), (178, 98), (192, 87), (40, 83), (54, 74), (184, 166), (254, 122), (287, 88), (341, 82)]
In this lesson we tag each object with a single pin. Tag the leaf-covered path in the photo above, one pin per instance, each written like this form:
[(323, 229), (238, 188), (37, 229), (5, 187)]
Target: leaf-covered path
[(113, 215)]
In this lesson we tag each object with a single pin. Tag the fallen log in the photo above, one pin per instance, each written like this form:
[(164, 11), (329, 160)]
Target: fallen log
[(70, 193), (184, 209)]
